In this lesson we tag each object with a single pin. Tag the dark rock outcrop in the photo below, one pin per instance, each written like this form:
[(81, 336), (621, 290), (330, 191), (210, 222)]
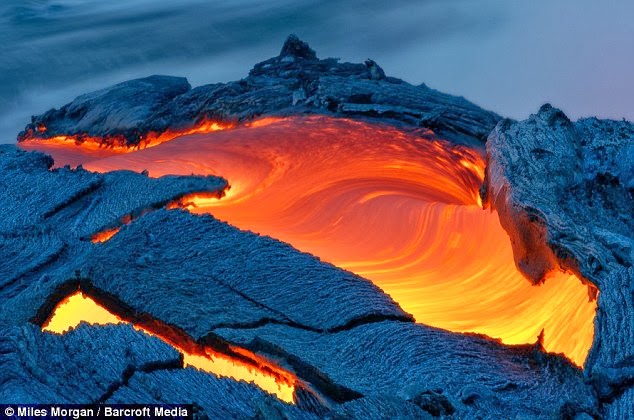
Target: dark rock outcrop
[(115, 111), (565, 194), (275, 283), (610, 364), (80, 203), (296, 48), (295, 82), (47, 218)]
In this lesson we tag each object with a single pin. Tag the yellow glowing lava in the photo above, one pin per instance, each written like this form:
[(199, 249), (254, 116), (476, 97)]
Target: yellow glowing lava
[(75, 309), (79, 307), (398, 209)]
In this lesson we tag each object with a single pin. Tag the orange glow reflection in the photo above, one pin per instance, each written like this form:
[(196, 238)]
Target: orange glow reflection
[(399, 210), (272, 379)]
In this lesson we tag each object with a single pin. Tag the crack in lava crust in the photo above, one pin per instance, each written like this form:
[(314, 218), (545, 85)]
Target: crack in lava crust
[(78, 307), (396, 208)]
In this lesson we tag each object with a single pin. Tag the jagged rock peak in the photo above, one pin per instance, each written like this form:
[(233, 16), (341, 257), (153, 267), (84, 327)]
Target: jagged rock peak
[(295, 47), (552, 115), (294, 82), (376, 72)]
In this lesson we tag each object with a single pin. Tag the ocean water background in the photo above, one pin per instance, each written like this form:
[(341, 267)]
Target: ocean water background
[(507, 56)]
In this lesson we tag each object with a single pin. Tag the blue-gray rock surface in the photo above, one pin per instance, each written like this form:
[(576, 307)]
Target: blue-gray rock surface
[(222, 287), (565, 193), (47, 218), (430, 367), (84, 366)]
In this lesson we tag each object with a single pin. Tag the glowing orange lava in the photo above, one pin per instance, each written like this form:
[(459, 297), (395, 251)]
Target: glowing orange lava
[(272, 379), (393, 207), (191, 200), (205, 126), (98, 148), (104, 235)]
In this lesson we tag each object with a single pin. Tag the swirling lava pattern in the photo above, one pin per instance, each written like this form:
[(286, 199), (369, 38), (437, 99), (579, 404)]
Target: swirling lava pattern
[(401, 209)]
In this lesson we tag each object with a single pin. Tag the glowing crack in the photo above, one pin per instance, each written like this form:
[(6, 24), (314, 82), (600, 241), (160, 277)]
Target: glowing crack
[(78, 308)]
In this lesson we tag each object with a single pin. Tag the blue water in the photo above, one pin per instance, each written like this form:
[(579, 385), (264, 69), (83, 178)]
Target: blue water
[(506, 56)]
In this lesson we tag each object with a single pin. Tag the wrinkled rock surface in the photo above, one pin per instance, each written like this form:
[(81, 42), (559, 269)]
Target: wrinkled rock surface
[(565, 193), (295, 82), (85, 365), (221, 286)]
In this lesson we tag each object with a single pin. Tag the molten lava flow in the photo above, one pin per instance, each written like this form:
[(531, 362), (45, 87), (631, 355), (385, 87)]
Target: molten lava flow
[(76, 308), (192, 200), (204, 126), (60, 147), (398, 209), (104, 235), (272, 379), (64, 151)]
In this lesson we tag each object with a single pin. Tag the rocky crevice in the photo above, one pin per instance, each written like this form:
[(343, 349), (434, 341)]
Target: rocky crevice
[(317, 382), (130, 371), (308, 374)]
